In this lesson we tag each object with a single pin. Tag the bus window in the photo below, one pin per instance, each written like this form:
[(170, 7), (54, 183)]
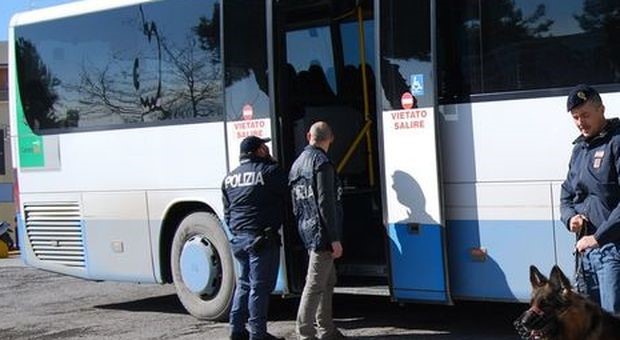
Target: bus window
[(124, 67), (350, 50), (246, 59), (314, 73), (510, 46), (319, 65)]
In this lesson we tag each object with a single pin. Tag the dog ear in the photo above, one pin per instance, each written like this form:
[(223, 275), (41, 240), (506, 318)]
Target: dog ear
[(537, 279), (558, 279)]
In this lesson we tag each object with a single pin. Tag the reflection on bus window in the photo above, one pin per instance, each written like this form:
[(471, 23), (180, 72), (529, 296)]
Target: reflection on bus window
[(246, 59), (351, 51), (500, 46), (123, 67)]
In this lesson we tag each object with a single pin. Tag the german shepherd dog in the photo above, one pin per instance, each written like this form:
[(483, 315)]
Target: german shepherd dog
[(559, 313)]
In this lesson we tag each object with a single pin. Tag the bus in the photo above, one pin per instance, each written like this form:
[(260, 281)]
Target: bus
[(452, 140)]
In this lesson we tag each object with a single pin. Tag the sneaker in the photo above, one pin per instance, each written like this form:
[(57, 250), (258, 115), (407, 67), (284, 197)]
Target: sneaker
[(243, 335)]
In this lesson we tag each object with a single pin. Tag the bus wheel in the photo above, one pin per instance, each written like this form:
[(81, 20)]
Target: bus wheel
[(202, 267)]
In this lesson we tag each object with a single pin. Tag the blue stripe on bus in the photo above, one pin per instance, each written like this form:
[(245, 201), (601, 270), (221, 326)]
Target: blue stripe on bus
[(21, 237), (511, 246), (417, 261), (87, 264)]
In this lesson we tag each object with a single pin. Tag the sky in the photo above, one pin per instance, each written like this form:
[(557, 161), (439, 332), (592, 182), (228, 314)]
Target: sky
[(10, 7)]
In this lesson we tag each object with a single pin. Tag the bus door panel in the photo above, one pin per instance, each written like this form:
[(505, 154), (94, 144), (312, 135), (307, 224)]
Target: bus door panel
[(247, 98), (292, 117), (410, 169)]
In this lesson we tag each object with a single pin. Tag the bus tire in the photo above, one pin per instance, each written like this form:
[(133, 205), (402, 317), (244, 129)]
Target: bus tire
[(208, 230)]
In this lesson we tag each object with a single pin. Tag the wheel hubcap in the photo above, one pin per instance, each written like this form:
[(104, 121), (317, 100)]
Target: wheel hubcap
[(198, 267)]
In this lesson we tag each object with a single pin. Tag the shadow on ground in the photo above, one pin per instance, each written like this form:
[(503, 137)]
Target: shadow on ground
[(464, 320), (382, 318), (160, 304)]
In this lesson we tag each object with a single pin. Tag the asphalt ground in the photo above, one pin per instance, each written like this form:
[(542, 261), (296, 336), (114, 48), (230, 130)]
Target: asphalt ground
[(42, 305)]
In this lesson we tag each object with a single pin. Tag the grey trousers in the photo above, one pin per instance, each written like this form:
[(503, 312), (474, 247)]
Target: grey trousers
[(316, 300)]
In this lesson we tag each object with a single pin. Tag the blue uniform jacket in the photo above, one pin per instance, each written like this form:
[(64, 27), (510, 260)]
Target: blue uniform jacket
[(592, 186), (253, 195)]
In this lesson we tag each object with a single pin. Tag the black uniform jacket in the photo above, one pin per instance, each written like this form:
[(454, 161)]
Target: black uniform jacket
[(253, 195), (316, 195)]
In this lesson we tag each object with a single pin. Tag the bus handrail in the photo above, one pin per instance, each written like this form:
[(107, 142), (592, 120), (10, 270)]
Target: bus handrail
[(345, 159)]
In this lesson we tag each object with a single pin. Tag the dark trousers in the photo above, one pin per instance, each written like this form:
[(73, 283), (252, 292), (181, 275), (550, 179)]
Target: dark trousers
[(600, 279), (258, 271)]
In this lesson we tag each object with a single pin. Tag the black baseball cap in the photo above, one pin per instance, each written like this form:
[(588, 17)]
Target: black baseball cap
[(251, 143), (579, 95)]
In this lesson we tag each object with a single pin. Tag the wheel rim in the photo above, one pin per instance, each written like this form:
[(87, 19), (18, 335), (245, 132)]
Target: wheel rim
[(200, 268)]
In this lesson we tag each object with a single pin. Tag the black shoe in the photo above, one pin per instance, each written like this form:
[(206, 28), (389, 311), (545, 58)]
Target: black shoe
[(243, 335), (337, 335), (271, 337)]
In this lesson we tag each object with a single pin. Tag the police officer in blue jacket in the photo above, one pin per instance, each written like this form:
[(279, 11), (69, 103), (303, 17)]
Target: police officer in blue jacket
[(253, 197), (316, 195), (590, 199)]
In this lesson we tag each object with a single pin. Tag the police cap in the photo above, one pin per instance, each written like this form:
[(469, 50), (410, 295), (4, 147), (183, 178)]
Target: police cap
[(251, 143), (579, 95)]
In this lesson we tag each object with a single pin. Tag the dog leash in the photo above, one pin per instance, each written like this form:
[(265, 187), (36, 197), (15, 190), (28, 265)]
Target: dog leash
[(579, 272)]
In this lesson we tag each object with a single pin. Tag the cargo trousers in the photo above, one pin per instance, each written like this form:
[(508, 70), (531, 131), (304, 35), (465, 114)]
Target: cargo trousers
[(316, 300)]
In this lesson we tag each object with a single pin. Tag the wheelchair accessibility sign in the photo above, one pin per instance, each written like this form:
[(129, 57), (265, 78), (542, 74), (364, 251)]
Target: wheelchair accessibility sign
[(417, 84)]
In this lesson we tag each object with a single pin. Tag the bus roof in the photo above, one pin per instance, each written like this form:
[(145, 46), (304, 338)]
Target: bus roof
[(67, 10)]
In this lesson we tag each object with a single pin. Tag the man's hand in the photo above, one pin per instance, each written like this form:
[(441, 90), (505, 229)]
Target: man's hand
[(586, 242), (336, 249), (576, 223)]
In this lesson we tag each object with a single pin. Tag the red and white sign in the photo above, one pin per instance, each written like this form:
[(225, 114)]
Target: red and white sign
[(242, 128), (411, 168), (237, 130), (406, 100), (248, 112), (408, 119)]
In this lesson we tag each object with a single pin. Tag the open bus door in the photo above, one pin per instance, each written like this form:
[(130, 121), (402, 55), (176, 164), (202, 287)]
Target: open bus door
[(411, 181)]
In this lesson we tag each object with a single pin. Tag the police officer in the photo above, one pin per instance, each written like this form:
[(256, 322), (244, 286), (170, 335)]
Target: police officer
[(316, 192), (590, 199), (253, 197)]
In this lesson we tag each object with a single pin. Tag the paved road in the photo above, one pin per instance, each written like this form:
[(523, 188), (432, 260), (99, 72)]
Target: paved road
[(42, 305)]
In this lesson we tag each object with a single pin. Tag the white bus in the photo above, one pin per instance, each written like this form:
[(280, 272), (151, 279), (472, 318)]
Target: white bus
[(451, 135)]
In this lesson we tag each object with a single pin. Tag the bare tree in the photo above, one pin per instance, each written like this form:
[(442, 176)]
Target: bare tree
[(37, 87), (177, 79)]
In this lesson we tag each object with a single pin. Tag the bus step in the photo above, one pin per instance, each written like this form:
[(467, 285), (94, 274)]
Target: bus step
[(363, 270), (380, 290)]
